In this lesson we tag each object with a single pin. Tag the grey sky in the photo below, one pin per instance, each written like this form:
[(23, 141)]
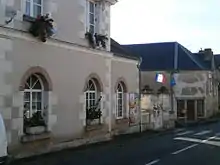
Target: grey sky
[(193, 23)]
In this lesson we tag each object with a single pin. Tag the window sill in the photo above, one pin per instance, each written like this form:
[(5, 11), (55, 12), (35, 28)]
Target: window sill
[(94, 127), (31, 138), (122, 121), (28, 18)]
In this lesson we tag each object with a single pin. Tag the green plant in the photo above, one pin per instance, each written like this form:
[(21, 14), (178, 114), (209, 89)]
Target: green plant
[(96, 39), (42, 27), (94, 112), (36, 120)]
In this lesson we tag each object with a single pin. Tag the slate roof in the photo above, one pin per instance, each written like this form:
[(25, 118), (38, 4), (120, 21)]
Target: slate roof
[(120, 51), (161, 56)]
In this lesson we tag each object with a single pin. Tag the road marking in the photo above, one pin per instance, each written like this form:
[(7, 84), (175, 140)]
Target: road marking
[(153, 162), (210, 138), (203, 133), (214, 143), (184, 133), (217, 138), (184, 149)]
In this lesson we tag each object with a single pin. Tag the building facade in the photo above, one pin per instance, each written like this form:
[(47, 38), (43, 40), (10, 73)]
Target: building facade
[(66, 88), (190, 78)]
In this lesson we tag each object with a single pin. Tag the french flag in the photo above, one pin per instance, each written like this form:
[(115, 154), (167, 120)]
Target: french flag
[(160, 78)]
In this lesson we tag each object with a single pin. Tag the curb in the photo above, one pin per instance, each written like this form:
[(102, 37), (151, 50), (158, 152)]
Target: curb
[(114, 140)]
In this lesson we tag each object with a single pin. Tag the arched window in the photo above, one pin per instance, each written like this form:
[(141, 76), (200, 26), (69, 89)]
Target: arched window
[(33, 95), (91, 93), (120, 101)]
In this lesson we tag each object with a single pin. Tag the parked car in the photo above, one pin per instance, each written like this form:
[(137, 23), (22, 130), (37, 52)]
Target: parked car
[(3, 142)]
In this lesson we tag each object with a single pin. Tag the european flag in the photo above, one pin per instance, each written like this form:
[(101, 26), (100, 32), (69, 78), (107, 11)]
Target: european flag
[(172, 82)]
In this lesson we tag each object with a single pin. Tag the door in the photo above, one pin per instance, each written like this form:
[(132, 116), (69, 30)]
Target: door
[(190, 109)]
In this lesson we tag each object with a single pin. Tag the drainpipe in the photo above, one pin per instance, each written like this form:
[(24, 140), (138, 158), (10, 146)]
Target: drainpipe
[(139, 98)]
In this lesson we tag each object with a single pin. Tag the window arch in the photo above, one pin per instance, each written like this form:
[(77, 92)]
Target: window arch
[(92, 93), (120, 91), (33, 95)]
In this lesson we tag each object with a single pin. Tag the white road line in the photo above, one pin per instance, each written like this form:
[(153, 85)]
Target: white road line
[(217, 138), (153, 162), (203, 133), (213, 137), (184, 133), (184, 149), (214, 143)]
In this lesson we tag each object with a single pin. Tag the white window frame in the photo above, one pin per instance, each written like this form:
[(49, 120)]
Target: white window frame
[(31, 91), (88, 16), (117, 102), (88, 92), (32, 7)]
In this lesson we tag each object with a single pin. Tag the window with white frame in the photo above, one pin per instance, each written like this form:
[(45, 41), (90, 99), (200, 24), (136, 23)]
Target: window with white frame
[(33, 95), (119, 101), (92, 16), (33, 8), (91, 94)]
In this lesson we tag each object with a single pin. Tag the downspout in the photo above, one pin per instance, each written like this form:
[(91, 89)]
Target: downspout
[(171, 76), (139, 96)]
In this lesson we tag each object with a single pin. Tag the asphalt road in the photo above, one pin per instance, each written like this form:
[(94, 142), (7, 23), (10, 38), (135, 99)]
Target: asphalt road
[(194, 146)]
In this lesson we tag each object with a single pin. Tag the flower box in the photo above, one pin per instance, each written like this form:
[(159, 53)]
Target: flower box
[(42, 27), (35, 130)]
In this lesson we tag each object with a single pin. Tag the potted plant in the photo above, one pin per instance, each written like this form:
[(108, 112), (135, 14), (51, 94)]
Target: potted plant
[(93, 113), (35, 125), (42, 27), (96, 40)]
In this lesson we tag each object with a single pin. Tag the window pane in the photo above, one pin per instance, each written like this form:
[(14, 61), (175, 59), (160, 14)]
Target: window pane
[(26, 96), (37, 2), (91, 7), (28, 83), (28, 8), (34, 106), (39, 106), (119, 88), (34, 79), (37, 10), (120, 102), (90, 95), (34, 96), (91, 19), (39, 96), (120, 95), (93, 96), (37, 85)]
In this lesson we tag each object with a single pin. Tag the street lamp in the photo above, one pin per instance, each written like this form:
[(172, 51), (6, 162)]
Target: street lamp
[(139, 96)]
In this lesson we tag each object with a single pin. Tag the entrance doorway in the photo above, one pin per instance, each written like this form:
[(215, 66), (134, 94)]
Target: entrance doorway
[(190, 109)]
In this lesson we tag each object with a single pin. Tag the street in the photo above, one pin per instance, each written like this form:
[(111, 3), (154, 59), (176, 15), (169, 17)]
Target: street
[(195, 145)]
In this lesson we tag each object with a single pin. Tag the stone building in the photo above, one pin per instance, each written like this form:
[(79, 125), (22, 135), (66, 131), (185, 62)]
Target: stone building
[(64, 86), (190, 78)]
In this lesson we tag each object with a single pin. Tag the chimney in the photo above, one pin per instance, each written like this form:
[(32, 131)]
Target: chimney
[(208, 54)]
